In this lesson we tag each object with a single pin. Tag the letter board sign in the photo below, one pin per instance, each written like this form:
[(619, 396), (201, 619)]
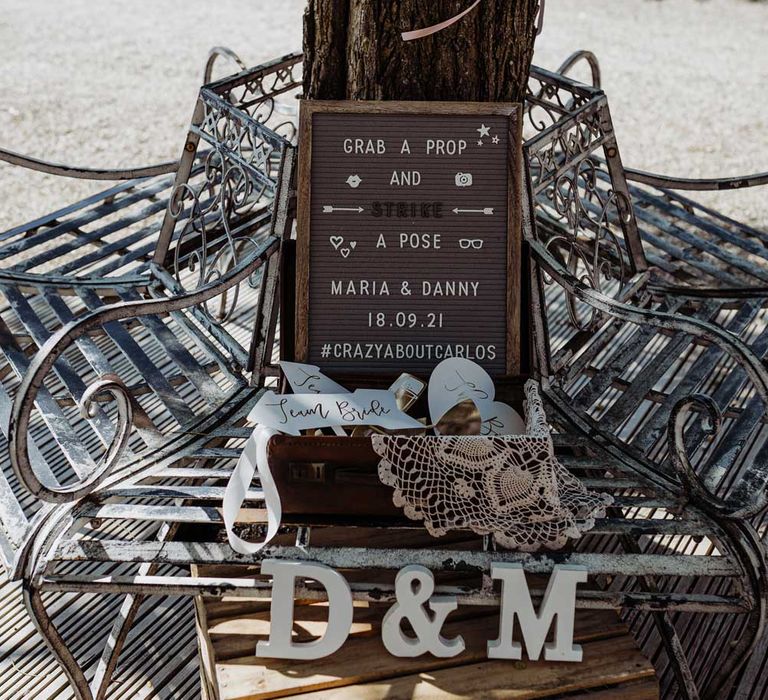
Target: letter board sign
[(408, 246)]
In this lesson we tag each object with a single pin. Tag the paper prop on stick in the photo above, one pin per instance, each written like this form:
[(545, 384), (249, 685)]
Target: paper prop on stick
[(457, 380), (296, 412), (501, 419), (308, 379)]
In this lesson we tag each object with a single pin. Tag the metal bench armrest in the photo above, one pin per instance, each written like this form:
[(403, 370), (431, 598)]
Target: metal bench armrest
[(749, 496), (45, 358)]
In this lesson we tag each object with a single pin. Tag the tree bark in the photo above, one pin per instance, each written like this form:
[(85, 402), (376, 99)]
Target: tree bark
[(353, 50)]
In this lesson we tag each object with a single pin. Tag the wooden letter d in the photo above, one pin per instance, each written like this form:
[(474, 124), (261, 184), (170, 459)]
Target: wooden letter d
[(284, 575)]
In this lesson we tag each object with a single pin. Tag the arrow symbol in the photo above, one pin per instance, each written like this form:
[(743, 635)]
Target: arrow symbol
[(328, 209), (488, 211)]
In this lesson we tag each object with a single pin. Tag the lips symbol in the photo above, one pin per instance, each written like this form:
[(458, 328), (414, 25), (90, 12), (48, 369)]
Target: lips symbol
[(354, 181)]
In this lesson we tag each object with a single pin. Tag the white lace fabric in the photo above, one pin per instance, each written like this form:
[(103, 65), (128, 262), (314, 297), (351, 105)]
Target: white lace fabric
[(512, 487)]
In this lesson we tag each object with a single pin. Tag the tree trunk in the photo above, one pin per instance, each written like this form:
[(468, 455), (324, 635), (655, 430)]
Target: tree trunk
[(353, 50)]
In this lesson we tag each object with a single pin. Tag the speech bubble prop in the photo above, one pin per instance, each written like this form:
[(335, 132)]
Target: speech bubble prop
[(308, 379), (502, 420), (296, 412), (456, 380)]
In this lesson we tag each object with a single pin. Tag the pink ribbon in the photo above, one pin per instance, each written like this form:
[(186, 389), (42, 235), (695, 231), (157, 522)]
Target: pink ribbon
[(427, 31)]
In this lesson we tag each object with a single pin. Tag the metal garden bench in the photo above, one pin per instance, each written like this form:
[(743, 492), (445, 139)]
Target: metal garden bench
[(651, 338), (134, 347)]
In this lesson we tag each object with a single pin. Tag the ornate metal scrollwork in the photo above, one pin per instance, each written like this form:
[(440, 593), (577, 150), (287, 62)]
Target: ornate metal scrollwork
[(209, 245), (259, 97), (589, 248), (20, 422), (567, 148), (549, 99), (742, 506), (222, 213)]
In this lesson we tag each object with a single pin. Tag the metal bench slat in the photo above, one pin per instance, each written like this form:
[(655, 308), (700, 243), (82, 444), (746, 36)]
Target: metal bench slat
[(748, 244), (41, 465), (588, 349), (626, 353), (212, 515), (138, 193), (220, 334), (123, 339), (173, 514), (254, 588), (193, 473), (87, 346), (193, 492), (615, 365), (214, 452), (206, 346), (631, 399), (692, 242), (590, 463), (185, 553), (94, 237), (224, 472), (748, 424), (59, 214), (143, 253), (129, 255), (699, 245), (657, 424), (693, 263), (71, 379), (108, 249), (730, 387), (182, 358)]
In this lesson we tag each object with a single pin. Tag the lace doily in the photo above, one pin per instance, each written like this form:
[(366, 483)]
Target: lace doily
[(512, 487)]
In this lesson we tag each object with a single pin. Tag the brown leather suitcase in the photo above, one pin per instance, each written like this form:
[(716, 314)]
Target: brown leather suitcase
[(325, 475)]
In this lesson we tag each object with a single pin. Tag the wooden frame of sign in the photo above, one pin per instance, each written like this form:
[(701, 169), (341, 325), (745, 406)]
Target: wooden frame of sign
[(409, 236)]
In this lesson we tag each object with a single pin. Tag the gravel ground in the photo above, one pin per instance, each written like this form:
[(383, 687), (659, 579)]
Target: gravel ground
[(108, 84)]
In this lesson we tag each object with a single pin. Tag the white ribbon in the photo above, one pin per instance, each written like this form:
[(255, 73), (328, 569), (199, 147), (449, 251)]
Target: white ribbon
[(253, 458)]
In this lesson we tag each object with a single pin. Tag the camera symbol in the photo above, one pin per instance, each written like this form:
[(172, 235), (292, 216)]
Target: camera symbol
[(463, 179)]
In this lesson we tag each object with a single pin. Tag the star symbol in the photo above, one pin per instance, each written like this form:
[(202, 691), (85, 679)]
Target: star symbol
[(484, 130), (480, 142), (496, 139)]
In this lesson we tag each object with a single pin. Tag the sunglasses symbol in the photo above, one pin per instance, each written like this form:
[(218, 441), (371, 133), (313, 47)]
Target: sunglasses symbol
[(467, 243)]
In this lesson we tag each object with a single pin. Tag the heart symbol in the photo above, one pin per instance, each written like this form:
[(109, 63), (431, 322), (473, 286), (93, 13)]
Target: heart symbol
[(353, 245), (336, 241), (344, 252)]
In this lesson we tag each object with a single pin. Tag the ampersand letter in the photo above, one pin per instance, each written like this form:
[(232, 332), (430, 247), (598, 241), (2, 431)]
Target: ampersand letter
[(414, 586)]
